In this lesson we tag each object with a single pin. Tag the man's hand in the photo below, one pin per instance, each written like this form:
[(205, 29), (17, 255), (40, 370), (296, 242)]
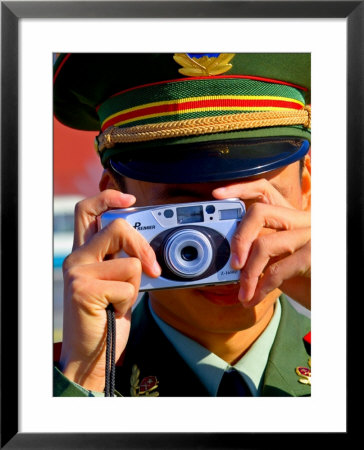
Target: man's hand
[(92, 280), (272, 246)]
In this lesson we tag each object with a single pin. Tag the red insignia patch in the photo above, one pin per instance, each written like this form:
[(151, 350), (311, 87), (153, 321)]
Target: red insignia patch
[(303, 371), (147, 387), (147, 384)]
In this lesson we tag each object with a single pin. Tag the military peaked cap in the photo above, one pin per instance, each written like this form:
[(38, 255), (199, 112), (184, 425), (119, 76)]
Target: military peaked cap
[(188, 117)]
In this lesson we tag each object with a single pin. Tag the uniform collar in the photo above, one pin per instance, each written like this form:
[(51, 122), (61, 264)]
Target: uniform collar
[(209, 368)]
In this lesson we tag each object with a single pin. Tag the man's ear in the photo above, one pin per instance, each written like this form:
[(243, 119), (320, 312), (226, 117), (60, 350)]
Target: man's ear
[(306, 184), (107, 181)]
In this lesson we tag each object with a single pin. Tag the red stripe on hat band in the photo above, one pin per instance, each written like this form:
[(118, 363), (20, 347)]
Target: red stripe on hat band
[(179, 106)]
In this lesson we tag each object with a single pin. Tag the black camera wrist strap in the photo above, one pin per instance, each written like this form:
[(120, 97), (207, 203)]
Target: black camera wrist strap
[(110, 352)]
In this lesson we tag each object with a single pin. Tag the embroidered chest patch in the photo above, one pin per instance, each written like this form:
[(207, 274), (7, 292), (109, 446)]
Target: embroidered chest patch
[(304, 373), (146, 387)]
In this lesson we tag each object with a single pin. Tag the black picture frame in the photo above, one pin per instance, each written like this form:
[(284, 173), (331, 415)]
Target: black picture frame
[(11, 13)]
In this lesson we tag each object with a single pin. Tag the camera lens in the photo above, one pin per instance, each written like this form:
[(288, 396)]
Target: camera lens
[(189, 253)]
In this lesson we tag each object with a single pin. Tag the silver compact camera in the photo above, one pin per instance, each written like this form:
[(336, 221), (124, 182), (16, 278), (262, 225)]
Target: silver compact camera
[(191, 240)]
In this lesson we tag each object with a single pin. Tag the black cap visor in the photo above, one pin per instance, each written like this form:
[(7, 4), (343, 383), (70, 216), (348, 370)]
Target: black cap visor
[(209, 161)]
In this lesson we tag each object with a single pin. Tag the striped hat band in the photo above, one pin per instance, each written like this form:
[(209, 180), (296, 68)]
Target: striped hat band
[(172, 103)]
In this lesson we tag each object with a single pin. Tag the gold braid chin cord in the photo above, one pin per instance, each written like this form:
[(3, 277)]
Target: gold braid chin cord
[(115, 135)]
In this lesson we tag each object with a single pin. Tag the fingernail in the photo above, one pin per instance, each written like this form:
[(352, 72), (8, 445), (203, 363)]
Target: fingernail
[(220, 190), (127, 196), (235, 261), (242, 298), (241, 295), (156, 269)]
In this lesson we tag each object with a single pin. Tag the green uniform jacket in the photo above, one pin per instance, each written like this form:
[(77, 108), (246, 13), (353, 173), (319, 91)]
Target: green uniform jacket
[(154, 356)]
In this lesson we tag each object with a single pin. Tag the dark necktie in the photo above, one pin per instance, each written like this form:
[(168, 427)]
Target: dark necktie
[(233, 385)]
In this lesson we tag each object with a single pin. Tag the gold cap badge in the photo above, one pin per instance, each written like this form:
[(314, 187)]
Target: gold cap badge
[(203, 64)]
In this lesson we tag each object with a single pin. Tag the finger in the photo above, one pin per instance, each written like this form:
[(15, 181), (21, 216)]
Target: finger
[(118, 235), (261, 216), (263, 249), (118, 269), (95, 295), (260, 190), (295, 265), (86, 212)]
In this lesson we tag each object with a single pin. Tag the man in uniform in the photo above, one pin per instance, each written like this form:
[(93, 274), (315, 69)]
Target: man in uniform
[(177, 128)]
